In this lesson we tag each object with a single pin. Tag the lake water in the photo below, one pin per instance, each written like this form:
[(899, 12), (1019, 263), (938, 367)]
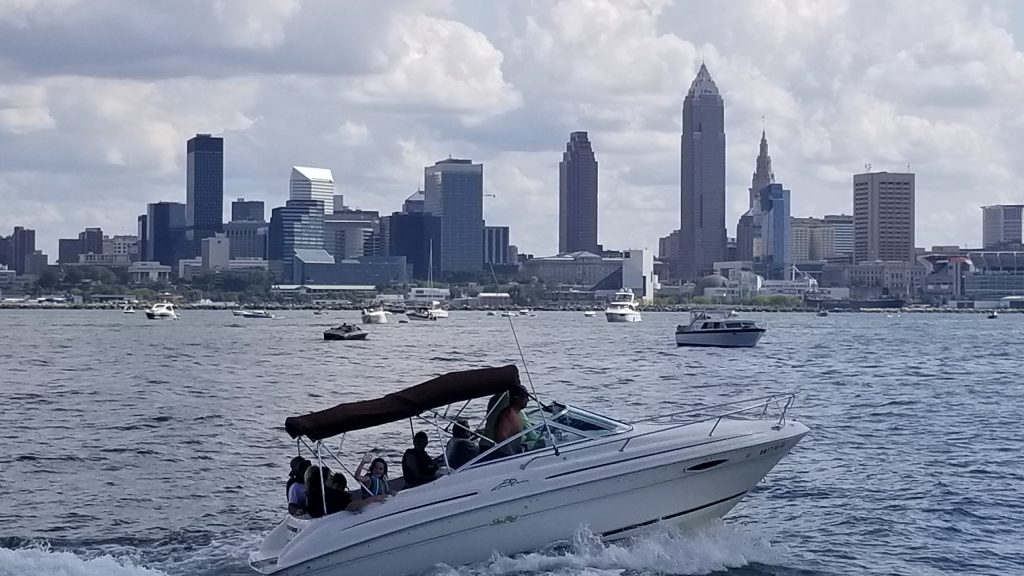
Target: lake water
[(137, 447)]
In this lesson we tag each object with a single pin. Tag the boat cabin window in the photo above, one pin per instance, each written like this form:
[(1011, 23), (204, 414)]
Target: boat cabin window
[(733, 325), (575, 419), (708, 325)]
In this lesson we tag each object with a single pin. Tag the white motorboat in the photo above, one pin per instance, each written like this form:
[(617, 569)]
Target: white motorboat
[(585, 470), (993, 315), (714, 328), (436, 311), (623, 307), (510, 314), (590, 314), (129, 309), (162, 311), (253, 314), (375, 316)]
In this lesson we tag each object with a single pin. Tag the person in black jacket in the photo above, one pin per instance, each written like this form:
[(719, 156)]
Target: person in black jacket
[(418, 467)]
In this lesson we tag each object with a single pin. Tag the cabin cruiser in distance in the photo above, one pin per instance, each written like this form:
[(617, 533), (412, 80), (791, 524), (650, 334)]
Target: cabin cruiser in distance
[(715, 328), (162, 311), (583, 468), (623, 307)]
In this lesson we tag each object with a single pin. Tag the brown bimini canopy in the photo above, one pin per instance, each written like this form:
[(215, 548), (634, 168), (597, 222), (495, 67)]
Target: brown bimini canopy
[(441, 391)]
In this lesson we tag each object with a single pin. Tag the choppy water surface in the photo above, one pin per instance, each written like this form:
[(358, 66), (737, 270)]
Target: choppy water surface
[(137, 447)]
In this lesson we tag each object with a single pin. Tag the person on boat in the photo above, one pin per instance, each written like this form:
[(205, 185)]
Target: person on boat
[(418, 467), (327, 493), (295, 489), (510, 421), (375, 481), (460, 448)]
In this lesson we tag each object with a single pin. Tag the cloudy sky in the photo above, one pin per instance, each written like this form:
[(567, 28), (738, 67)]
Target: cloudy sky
[(97, 99)]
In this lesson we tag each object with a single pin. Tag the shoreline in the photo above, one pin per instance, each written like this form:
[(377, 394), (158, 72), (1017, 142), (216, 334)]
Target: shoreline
[(649, 309)]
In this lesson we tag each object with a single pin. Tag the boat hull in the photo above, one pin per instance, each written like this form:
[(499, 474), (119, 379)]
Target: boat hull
[(159, 316), (721, 338), (514, 511), (623, 316), (349, 336), (379, 318)]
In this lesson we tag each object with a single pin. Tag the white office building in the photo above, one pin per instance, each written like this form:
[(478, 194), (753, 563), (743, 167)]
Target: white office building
[(312, 184)]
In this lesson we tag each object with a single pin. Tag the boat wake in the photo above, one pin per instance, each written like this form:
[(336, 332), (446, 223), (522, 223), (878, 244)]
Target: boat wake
[(40, 560), (660, 550)]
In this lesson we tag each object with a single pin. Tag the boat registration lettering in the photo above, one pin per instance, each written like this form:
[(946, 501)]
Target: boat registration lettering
[(772, 448), (508, 483), (505, 520)]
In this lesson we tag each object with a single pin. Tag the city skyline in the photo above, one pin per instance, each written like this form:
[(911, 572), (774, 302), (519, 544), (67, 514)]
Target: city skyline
[(116, 124)]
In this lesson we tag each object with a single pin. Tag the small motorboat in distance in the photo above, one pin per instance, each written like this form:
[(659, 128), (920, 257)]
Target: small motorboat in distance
[(346, 332), (374, 316), (129, 309), (822, 313), (590, 314), (993, 315), (162, 311), (716, 328), (569, 467), (252, 314)]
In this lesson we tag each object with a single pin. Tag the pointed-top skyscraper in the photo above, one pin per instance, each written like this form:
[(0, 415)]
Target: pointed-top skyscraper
[(577, 196), (702, 189), (748, 229)]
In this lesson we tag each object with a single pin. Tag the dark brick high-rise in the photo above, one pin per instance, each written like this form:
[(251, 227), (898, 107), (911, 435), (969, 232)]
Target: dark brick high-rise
[(577, 196), (702, 234), (204, 203)]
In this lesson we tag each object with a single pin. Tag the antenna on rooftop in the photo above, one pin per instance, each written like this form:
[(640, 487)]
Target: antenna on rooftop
[(867, 166)]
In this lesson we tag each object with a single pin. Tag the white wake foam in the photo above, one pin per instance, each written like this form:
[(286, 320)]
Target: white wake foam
[(41, 561), (662, 550)]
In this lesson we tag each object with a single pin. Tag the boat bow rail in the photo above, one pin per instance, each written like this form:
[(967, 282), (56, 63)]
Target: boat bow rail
[(770, 407)]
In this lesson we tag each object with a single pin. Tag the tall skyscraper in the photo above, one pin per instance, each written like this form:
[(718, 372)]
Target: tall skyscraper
[(248, 210), (702, 234), (204, 202), (775, 231), (748, 229), (296, 225), (883, 217), (23, 245), (166, 239), (1001, 224), (313, 184), (454, 192), (577, 196)]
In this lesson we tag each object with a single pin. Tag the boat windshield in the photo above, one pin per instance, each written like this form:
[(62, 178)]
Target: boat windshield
[(570, 418)]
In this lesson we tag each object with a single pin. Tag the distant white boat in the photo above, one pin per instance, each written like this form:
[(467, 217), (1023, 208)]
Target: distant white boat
[(590, 314), (623, 308), (993, 315), (162, 311), (375, 316), (129, 309), (253, 314), (712, 328)]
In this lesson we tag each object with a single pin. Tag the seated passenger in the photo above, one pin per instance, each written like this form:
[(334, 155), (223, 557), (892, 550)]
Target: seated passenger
[(335, 496), (417, 466), (510, 422), (375, 481), (295, 489), (460, 448)]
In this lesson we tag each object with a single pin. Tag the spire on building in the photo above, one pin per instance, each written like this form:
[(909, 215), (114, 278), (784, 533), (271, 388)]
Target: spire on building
[(703, 85), (763, 174)]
